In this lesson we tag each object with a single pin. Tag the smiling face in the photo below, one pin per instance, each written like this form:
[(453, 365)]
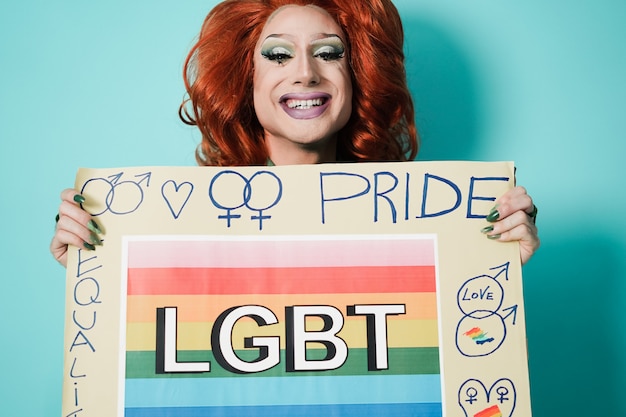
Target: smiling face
[(302, 84)]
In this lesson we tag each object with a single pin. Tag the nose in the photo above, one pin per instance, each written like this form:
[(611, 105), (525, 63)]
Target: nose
[(306, 71)]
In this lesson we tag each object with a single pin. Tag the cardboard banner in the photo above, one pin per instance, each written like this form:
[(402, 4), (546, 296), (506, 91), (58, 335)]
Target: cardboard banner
[(339, 289)]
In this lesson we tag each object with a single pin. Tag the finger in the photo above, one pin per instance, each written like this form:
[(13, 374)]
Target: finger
[(514, 200), (521, 232), (71, 208), (60, 242), (511, 228), (68, 230), (74, 227), (71, 195), (74, 212), (527, 236), (510, 222)]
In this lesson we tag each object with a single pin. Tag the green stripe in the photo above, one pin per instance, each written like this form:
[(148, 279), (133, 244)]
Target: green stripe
[(402, 361)]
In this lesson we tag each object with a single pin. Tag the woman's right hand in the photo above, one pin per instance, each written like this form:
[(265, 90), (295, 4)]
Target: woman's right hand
[(74, 227)]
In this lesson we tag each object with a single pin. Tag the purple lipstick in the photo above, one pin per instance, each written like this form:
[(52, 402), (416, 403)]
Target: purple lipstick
[(305, 106)]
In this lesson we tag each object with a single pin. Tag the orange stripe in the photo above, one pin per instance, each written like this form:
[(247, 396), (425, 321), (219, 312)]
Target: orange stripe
[(318, 280)]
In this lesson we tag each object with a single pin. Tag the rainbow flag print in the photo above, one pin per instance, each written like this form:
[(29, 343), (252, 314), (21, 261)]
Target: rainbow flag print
[(478, 336), (281, 326)]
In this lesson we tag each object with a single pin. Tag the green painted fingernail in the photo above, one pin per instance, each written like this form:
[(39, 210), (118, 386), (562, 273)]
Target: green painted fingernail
[(56, 219), (89, 246), (95, 240), (493, 237), (79, 199), (486, 229), (493, 215), (93, 226)]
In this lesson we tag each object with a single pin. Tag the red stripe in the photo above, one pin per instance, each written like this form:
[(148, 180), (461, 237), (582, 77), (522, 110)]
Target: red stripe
[(321, 280), (493, 411)]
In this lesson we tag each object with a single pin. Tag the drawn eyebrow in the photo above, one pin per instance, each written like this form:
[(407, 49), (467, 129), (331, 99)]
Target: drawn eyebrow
[(279, 36), (316, 37), (334, 40), (326, 37)]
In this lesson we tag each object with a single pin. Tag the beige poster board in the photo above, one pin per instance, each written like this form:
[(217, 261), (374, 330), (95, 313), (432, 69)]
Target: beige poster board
[(349, 289)]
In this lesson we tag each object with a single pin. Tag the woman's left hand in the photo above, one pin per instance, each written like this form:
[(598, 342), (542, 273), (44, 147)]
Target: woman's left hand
[(513, 218)]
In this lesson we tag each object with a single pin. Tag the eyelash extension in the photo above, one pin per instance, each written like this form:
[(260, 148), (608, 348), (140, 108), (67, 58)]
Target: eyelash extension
[(330, 52), (280, 56), (330, 56), (275, 56)]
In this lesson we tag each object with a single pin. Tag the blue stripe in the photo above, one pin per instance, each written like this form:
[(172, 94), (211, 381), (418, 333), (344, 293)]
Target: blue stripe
[(385, 389), (348, 410)]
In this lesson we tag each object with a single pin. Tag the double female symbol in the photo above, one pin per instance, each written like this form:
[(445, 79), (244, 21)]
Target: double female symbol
[(222, 184)]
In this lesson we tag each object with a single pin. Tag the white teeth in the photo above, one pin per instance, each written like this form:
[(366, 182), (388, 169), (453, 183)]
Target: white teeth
[(304, 104)]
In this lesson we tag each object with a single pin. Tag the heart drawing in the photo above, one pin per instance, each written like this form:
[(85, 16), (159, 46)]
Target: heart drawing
[(478, 401), (176, 195)]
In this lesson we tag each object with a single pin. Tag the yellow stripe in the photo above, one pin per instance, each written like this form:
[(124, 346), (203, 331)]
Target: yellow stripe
[(197, 336), (202, 308)]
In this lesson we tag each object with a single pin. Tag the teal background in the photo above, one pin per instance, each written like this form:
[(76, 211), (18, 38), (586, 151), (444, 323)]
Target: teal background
[(539, 82)]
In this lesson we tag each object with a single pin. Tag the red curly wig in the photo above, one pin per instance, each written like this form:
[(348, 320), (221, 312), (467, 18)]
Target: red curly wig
[(218, 78)]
